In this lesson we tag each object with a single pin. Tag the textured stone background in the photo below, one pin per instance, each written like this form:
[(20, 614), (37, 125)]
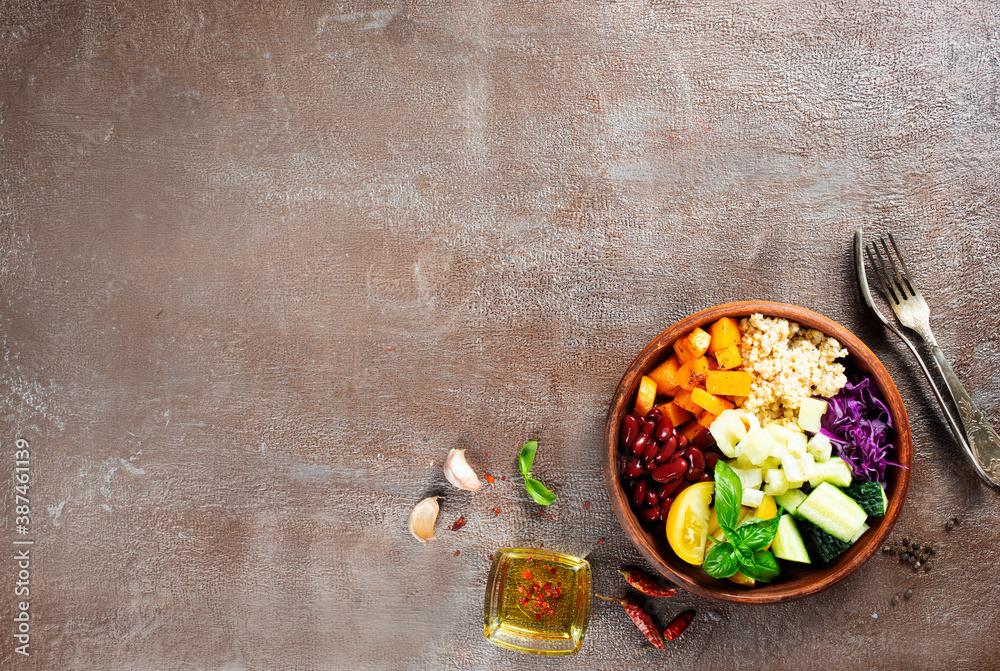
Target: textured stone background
[(264, 263)]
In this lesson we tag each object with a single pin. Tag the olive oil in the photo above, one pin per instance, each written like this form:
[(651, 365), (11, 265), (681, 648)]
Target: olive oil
[(537, 601)]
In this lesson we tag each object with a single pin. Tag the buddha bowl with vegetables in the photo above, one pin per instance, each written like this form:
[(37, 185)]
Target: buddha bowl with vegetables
[(757, 452)]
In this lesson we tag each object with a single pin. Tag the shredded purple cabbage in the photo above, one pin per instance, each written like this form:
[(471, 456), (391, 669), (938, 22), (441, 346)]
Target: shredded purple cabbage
[(857, 422)]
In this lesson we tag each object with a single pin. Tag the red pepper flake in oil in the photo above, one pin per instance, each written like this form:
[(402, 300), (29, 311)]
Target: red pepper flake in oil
[(489, 478)]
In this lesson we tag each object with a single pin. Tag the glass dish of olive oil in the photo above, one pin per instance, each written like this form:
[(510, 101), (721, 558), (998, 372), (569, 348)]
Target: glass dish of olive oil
[(537, 601)]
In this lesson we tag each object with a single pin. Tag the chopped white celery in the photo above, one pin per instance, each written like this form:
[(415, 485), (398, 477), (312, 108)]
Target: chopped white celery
[(756, 445), (752, 497), (777, 483), (728, 429), (820, 447), (811, 413), (797, 445)]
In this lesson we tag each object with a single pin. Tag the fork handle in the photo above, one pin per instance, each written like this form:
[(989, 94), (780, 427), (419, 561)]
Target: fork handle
[(981, 436)]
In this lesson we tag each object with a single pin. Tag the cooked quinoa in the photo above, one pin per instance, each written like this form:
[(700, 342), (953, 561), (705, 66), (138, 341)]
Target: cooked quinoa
[(788, 363)]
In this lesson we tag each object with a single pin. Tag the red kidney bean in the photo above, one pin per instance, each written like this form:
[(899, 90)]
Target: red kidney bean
[(711, 459), (696, 459), (654, 414), (650, 515), (682, 442), (667, 490), (671, 470), (652, 449), (669, 446), (665, 504), (629, 431), (664, 429), (706, 477), (684, 485), (639, 446), (622, 464), (646, 428), (652, 498), (639, 493), (634, 468)]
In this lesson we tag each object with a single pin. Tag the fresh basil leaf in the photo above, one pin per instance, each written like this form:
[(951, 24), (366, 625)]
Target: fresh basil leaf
[(728, 495), (756, 534), (761, 565), (527, 457), (542, 495), (720, 562)]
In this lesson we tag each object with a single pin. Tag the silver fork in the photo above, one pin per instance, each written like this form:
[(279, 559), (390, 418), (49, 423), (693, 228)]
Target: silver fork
[(899, 289)]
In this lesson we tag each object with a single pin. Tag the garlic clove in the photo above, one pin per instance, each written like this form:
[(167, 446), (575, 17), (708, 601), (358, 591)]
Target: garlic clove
[(459, 473), (422, 519)]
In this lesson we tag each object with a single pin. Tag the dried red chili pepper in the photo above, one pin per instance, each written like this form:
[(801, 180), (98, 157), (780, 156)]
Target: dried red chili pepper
[(677, 627), (642, 619), (646, 584)]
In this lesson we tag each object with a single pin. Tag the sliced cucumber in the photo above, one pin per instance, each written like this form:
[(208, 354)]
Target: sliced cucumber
[(788, 543), (791, 500), (826, 545), (870, 496), (833, 511)]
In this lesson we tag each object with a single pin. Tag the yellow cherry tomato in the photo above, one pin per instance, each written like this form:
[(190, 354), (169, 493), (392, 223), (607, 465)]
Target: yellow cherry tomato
[(687, 522)]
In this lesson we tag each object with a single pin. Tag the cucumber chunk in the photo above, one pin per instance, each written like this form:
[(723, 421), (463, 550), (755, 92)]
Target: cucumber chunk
[(870, 496), (791, 500), (826, 545), (833, 511), (788, 543)]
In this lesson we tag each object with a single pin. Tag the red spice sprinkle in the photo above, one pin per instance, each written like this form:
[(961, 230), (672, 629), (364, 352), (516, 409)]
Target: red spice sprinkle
[(526, 575), (600, 541), (486, 454), (586, 505), (159, 314), (503, 477), (489, 478), (390, 349), (552, 570), (457, 552), (496, 511), (551, 517), (457, 524)]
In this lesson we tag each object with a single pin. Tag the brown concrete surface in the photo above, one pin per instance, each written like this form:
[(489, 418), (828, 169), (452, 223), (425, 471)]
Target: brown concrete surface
[(264, 263)]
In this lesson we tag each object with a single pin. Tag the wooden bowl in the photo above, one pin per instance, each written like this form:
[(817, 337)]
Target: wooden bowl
[(796, 581)]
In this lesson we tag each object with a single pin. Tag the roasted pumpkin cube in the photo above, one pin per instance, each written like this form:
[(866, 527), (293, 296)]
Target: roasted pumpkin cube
[(647, 395), (675, 413), (709, 402), (728, 382), (706, 418), (683, 401), (692, 346), (725, 333), (729, 358), (693, 373), (665, 376)]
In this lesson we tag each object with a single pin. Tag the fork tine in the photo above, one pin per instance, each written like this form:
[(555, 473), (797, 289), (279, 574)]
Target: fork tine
[(902, 263), (884, 277), (896, 277), (886, 291)]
